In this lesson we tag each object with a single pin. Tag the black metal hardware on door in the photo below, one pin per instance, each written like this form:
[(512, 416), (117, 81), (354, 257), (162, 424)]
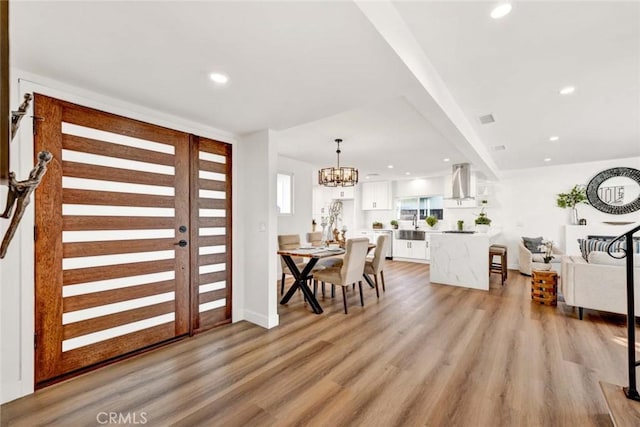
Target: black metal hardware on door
[(182, 229), (182, 243)]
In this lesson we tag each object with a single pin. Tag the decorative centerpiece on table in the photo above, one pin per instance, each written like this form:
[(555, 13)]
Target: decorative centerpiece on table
[(394, 224), (331, 222), (342, 240), (431, 221), (577, 195), (482, 222), (323, 223)]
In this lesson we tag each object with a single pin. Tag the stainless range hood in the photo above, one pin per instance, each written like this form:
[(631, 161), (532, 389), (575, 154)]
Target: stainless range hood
[(461, 181)]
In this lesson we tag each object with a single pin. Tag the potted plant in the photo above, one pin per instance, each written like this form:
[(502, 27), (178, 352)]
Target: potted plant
[(431, 221), (394, 224), (377, 224), (547, 248), (578, 194), (483, 222), (460, 225)]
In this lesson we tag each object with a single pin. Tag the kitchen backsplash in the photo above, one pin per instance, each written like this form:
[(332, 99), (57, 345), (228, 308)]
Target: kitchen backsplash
[(451, 216)]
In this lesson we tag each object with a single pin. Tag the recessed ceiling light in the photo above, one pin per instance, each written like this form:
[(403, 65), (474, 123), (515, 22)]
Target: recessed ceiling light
[(219, 78), (548, 159), (501, 11), (446, 159), (407, 173), (567, 90), (554, 138), (390, 166)]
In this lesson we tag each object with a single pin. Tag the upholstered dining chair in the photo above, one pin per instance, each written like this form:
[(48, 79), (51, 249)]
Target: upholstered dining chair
[(350, 271), (289, 241), (375, 265), (315, 238)]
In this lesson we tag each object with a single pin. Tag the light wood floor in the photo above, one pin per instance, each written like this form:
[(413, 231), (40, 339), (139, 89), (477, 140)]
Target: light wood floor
[(421, 355)]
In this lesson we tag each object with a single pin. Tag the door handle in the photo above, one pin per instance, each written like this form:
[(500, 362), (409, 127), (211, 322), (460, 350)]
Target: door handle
[(181, 243)]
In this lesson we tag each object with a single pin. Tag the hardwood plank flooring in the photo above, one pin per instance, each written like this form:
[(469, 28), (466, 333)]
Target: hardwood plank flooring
[(421, 355)]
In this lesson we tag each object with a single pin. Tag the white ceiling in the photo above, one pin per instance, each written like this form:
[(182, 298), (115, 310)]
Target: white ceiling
[(316, 71)]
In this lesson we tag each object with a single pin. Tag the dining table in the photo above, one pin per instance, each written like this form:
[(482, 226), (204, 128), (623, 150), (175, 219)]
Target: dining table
[(301, 277)]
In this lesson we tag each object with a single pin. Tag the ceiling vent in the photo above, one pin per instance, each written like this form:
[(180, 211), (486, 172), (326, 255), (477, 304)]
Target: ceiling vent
[(486, 119), (498, 148)]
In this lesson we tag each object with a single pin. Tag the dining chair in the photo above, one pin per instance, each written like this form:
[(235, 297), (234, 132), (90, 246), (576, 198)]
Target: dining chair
[(350, 271), (289, 241), (375, 265), (315, 238), (292, 241)]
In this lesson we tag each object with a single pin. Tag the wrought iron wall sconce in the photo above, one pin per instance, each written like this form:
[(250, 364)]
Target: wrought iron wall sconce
[(20, 191)]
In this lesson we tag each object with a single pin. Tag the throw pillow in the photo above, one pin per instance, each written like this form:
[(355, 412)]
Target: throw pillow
[(533, 244), (636, 245), (589, 245)]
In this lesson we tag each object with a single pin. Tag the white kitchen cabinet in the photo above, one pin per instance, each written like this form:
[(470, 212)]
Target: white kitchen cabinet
[(322, 197), (411, 249), (343, 193), (365, 233), (457, 204), (401, 248), (427, 242), (376, 195)]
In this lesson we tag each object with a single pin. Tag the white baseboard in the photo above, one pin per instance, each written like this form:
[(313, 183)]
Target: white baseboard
[(259, 319), (415, 260), (14, 390)]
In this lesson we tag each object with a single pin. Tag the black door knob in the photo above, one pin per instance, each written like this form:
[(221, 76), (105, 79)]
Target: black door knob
[(182, 243), (182, 229)]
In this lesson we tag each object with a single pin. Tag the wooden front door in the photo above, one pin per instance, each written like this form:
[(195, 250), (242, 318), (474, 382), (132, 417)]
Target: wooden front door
[(114, 240), (210, 233)]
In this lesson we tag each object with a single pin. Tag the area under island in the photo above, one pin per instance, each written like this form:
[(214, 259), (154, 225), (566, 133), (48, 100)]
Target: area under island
[(459, 259)]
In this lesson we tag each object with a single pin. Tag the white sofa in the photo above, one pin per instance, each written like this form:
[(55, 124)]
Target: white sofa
[(599, 284)]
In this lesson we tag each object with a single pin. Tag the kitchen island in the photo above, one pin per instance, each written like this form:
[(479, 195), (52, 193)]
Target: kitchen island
[(461, 259)]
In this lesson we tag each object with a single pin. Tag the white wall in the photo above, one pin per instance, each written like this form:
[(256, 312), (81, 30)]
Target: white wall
[(16, 298), (526, 202), (435, 186), (300, 221), (257, 240), (15, 379)]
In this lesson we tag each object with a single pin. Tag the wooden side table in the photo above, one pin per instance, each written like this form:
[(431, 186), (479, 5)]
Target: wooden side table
[(544, 287)]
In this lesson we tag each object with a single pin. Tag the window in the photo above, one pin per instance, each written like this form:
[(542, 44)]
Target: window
[(285, 194), (422, 207)]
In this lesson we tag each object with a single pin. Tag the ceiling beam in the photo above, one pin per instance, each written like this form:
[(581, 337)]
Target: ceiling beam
[(436, 104)]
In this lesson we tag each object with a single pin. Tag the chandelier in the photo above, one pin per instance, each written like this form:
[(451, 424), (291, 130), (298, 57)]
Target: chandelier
[(338, 176)]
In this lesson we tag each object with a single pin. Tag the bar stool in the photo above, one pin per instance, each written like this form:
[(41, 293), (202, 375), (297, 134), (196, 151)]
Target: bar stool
[(506, 260), (501, 267)]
